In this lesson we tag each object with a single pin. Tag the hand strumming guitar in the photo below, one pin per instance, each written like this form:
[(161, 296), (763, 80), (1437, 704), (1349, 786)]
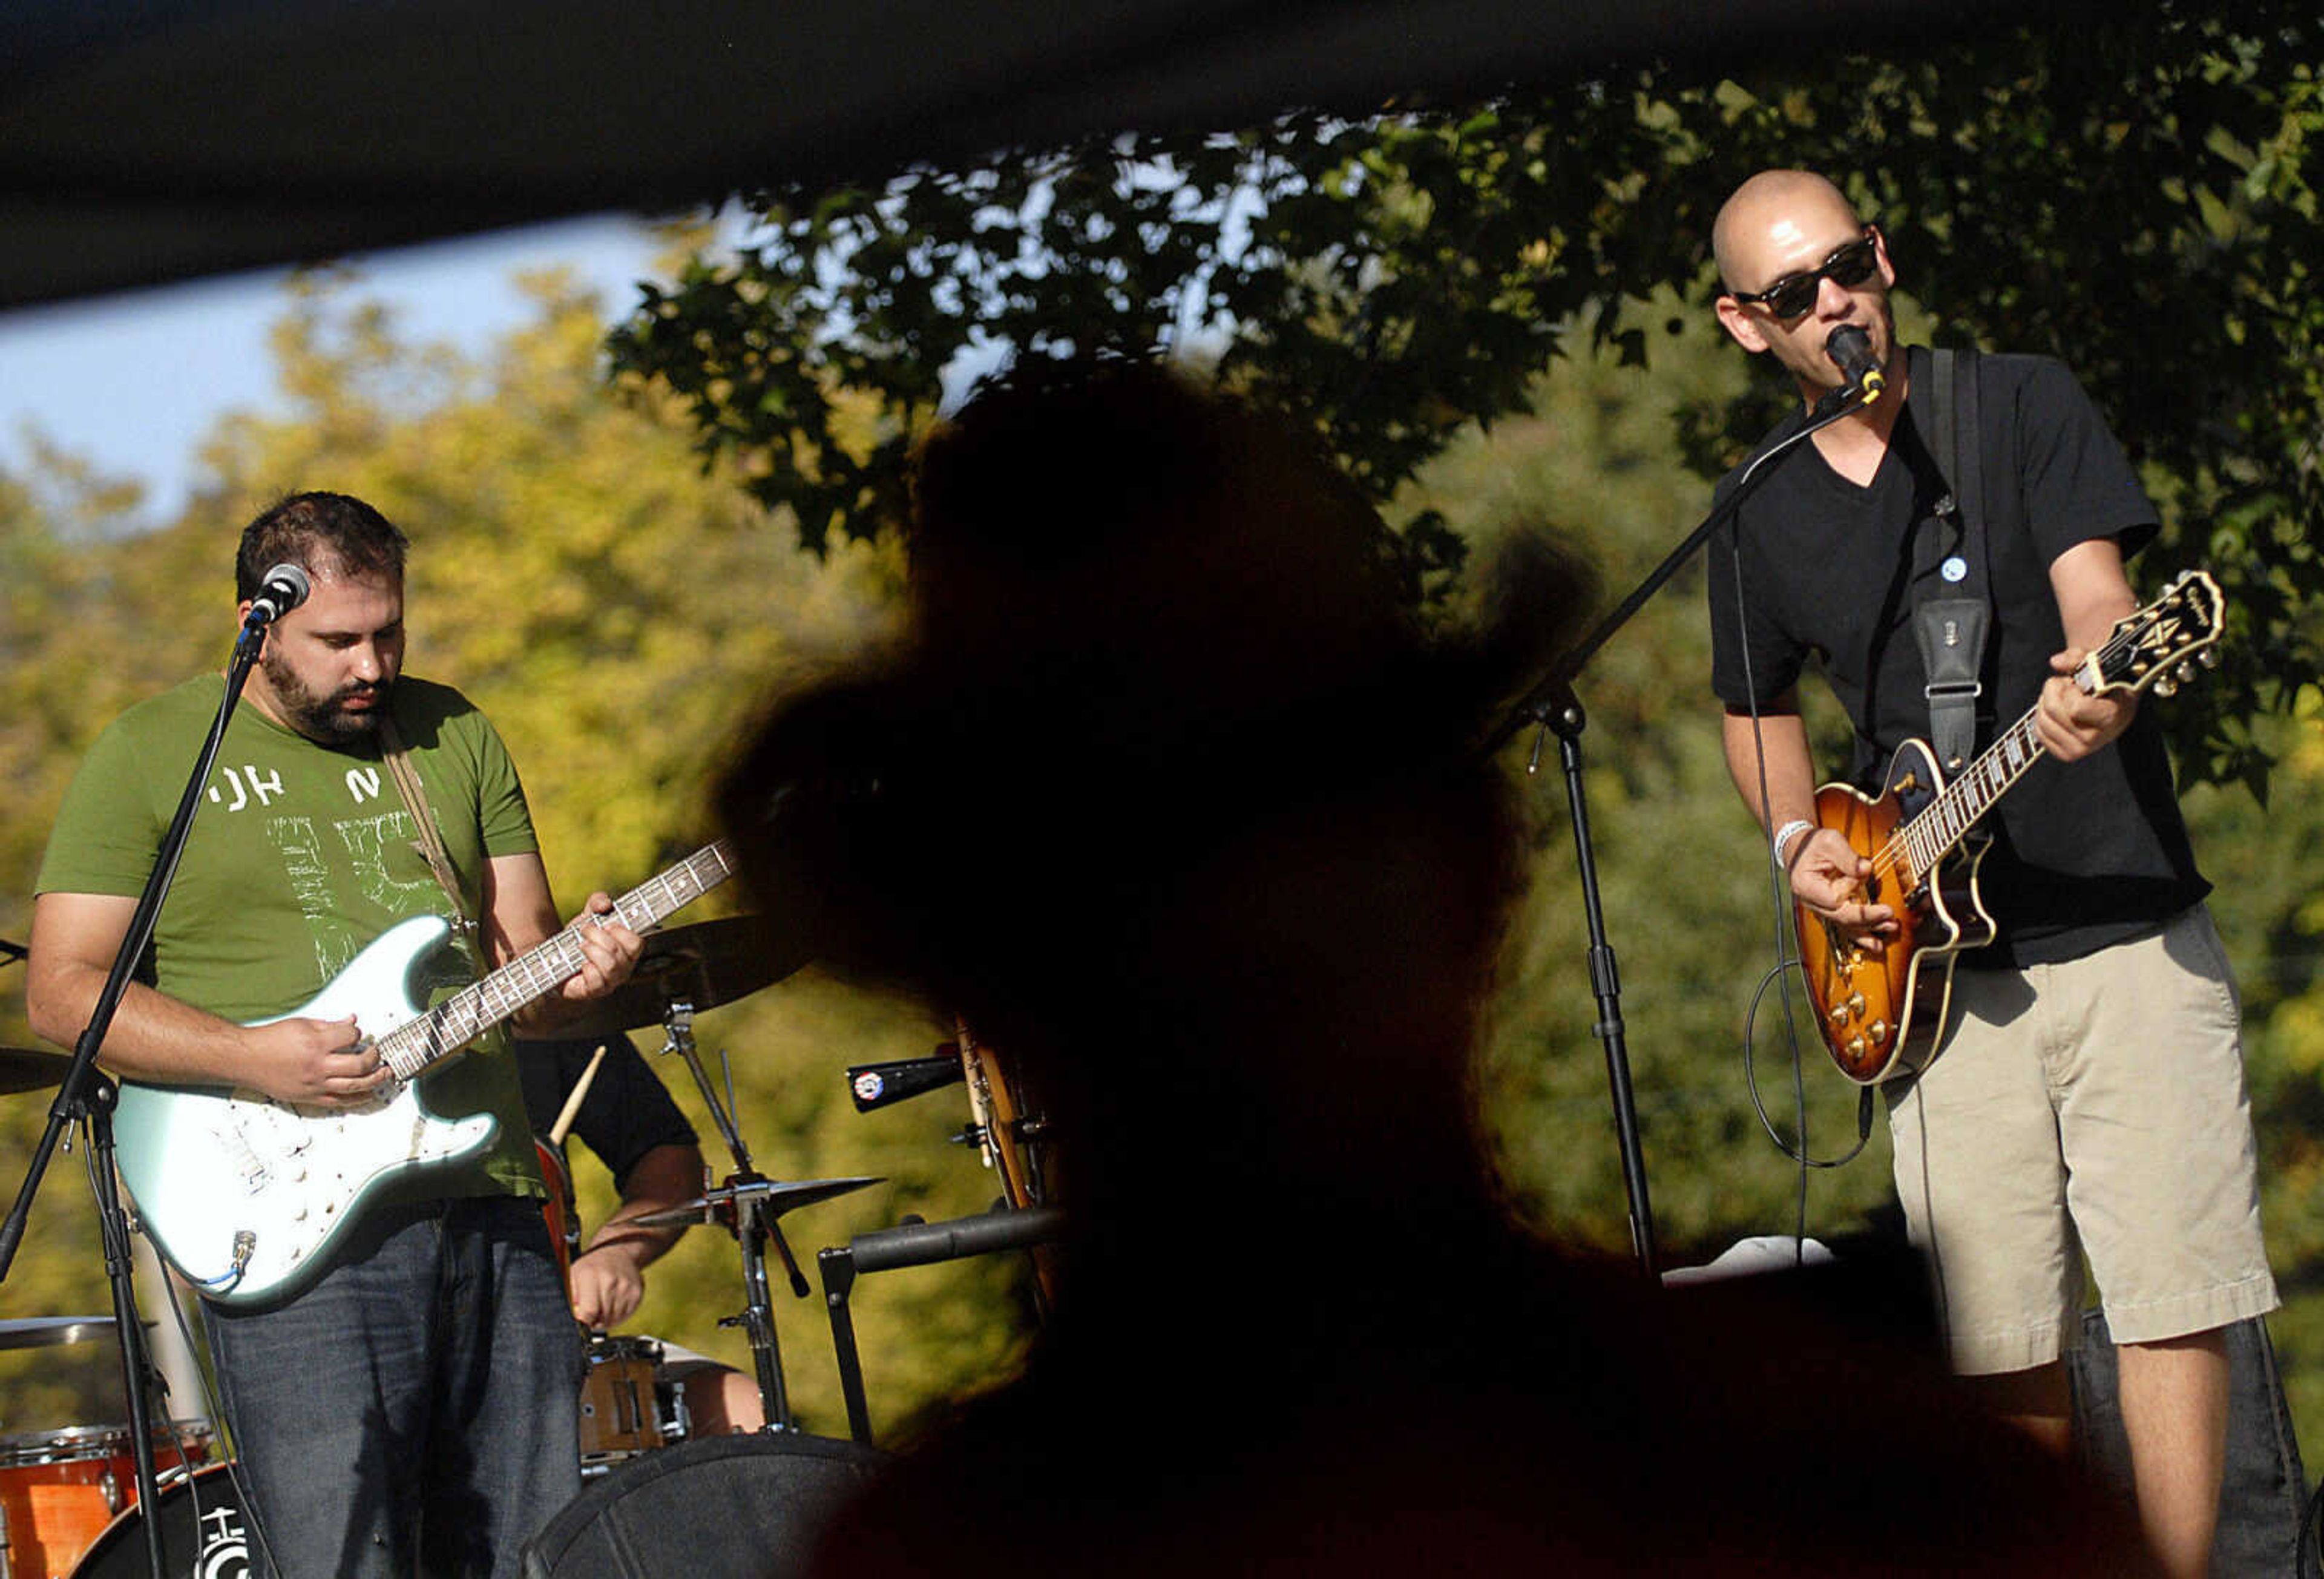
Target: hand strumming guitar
[(1828, 876)]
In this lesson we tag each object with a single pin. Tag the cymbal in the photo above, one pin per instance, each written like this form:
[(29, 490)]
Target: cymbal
[(23, 1069), (708, 964), (33, 1331), (781, 1196)]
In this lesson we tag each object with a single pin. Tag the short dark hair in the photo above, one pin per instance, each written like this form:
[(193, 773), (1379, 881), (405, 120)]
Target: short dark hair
[(317, 532)]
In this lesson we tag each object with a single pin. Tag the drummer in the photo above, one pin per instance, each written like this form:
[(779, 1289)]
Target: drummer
[(629, 1122)]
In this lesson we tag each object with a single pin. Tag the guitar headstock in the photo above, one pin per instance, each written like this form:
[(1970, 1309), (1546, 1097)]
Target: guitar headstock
[(2161, 643)]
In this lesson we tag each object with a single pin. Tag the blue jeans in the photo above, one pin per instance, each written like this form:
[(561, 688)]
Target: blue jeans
[(414, 1411)]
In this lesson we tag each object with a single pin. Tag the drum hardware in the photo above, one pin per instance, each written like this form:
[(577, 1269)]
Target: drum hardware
[(914, 1244), (706, 965), (779, 1195), (59, 1490), (31, 1332), (625, 1410), (747, 1205), (1003, 1126), (26, 1069)]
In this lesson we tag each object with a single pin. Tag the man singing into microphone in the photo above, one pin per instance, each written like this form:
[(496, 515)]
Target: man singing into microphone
[(411, 1408), (2087, 1097)]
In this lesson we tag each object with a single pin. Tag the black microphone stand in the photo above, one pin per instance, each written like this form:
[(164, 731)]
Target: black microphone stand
[(87, 1098), (1551, 706)]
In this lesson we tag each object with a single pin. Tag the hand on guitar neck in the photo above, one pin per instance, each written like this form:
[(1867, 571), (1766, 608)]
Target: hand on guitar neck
[(2075, 716)]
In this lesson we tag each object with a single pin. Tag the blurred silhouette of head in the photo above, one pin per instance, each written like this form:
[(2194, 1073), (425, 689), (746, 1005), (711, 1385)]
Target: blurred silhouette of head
[(1168, 794)]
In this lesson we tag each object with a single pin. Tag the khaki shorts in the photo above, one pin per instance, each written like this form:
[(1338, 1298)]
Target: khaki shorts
[(2098, 1108)]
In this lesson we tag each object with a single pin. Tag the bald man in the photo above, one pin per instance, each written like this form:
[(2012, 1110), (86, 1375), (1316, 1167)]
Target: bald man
[(2086, 1099)]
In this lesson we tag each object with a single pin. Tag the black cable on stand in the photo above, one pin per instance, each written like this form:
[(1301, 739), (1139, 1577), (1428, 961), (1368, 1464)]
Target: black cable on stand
[(87, 1097), (1551, 706)]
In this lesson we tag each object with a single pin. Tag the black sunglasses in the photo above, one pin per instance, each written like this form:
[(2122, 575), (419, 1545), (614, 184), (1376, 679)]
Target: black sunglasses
[(1794, 295)]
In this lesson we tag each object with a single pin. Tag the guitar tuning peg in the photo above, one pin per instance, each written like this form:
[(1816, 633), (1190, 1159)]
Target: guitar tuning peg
[(2166, 685), (2186, 671), (2209, 658)]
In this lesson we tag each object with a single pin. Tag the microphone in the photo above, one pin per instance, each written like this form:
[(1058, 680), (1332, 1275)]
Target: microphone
[(1849, 349), (283, 588)]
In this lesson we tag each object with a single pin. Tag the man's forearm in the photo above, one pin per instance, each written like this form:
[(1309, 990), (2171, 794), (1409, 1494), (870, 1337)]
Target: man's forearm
[(1787, 793), (151, 1037)]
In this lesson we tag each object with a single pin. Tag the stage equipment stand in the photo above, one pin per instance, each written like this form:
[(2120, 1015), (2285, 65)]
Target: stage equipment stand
[(87, 1097), (1551, 706), (913, 1244), (755, 1202)]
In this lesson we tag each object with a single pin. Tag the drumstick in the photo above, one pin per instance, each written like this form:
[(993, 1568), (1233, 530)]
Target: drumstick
[(557, 1132)]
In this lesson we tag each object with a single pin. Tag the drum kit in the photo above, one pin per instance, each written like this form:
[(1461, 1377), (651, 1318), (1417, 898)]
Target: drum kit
[(69, 1497), (69, 1504), (647, 1474)]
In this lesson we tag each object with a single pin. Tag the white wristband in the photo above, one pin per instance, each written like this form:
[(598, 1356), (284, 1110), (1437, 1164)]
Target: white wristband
[(1779, 846)]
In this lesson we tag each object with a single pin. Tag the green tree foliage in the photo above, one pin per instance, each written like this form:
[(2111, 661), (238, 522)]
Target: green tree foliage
[(2136, 196), (622, 616)]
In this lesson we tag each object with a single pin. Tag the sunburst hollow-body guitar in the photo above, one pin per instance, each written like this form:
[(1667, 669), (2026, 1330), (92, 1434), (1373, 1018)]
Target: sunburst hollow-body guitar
[(1880, 1003)]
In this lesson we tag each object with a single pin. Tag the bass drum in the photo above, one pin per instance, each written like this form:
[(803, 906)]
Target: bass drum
[(202, 1534), (710, 1508)]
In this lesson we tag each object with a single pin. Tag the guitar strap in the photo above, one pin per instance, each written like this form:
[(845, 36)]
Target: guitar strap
[(430, 842), (1951, 630)]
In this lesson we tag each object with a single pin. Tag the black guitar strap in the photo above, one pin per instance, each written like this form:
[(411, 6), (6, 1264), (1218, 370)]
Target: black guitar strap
[(1951, 630)]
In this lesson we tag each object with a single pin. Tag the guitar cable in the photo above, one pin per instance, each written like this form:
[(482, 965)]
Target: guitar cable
[(1786, 960)]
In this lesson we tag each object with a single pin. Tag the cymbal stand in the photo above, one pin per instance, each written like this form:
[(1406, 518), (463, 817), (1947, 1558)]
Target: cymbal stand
[(753, 1226)]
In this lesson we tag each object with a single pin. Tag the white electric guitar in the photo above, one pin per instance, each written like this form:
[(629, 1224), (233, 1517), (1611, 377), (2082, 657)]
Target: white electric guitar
[(244, 1195)]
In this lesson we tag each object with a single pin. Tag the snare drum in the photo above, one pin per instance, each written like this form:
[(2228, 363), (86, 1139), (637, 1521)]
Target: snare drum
[(624, 1407), (58, 1489)]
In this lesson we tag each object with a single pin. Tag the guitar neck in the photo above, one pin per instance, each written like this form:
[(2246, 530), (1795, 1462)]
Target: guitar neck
[(413, 1048), (1941, 825)]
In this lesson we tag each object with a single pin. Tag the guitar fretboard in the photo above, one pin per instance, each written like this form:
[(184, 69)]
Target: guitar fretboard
[(412, 1050), (1946, 821)]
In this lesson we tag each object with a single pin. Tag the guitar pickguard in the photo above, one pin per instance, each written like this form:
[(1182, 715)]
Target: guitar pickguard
[(243, 1193)]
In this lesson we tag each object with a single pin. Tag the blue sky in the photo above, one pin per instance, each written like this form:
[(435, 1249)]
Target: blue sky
[(133, 381)]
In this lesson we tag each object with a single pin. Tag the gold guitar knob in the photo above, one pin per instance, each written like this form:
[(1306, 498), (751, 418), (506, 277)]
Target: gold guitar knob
[(1878, 1032), (1856, 1047), (1839, 1013), (1855, 1003)]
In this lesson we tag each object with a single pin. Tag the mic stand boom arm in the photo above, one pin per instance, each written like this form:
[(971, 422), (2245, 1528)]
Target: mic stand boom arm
[(86, 1097), (1551, 706)]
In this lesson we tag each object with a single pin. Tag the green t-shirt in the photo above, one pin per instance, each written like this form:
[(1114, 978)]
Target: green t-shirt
[(300, 854)]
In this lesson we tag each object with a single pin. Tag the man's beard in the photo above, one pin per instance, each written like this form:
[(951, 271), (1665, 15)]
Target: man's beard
[(321, 719)]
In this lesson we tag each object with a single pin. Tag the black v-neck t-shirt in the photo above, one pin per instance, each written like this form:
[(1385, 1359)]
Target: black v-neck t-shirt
[(2085, 853)]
